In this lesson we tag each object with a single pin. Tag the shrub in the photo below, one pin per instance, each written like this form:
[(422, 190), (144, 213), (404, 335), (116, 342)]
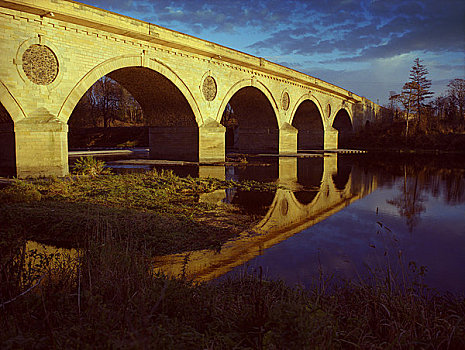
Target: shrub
[(20, 192), (90, 166)]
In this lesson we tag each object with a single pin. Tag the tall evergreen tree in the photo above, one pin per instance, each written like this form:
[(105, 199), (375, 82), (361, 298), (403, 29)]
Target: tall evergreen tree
[(419, 87)]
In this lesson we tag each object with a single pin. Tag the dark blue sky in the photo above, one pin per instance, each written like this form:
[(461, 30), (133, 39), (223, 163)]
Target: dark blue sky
[(365, 46)]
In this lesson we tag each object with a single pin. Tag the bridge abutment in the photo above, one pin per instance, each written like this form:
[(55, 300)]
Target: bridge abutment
[(204, 144), (288, 171), (331, 138), (41, 147), (287, 139), (212, 146)]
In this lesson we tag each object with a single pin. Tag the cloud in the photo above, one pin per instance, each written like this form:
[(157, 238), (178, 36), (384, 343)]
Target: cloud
[(355, 29), (382, 30), (363, 45)]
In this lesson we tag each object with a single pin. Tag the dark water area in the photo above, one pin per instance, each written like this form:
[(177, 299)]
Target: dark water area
[(413, 221), (351, 213)]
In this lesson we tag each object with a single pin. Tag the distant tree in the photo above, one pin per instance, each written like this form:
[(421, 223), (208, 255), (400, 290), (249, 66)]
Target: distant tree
[(392, 107), (456, 94), (107, 94), (406, 98), (129, 110), (418, 89), (105, 102)]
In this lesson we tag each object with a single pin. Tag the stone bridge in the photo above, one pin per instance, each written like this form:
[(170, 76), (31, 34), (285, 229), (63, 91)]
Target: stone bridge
[(53, 51), (289, 212)]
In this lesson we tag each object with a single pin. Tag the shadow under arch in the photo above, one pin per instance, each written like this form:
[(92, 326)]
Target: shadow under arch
[(250, 115), (307, 118), (343, 124), (164, 99), (128, 61), (7, 144)]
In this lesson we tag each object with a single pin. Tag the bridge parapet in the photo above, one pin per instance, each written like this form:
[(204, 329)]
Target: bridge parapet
[(54, 50)]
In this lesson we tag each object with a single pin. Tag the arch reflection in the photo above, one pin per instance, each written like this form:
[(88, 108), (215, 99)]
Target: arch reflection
[(288, 213)]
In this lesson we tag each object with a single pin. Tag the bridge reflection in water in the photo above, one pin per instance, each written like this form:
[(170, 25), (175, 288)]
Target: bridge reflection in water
[(318, 187)]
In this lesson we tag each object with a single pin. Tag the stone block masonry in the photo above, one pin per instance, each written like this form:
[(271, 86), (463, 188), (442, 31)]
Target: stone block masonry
[(183, 83)]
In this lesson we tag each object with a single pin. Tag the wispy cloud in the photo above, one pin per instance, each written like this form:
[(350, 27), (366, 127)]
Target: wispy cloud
[(311, 34)]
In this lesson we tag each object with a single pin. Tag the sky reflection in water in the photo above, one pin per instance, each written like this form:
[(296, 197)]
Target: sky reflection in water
[(424, 209)]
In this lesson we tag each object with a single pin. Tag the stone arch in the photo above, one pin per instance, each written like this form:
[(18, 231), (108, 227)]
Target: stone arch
[(121, 62), (343, 124), (253, 121), (7, 135), (10, 104), (304, 98), (248, 83), (305, 199), (308, 118)]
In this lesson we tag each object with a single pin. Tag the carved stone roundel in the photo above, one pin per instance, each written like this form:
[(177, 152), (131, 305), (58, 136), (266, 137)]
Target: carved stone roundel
[(285, 101), (209, 88), (40, 64)]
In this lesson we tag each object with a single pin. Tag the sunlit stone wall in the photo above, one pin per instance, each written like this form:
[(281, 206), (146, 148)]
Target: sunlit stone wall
[(54, 50)]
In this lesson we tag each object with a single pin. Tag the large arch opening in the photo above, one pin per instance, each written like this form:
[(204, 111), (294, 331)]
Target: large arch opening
[(343, 125), (145, 109), (107, 115), (251, 124), (307, 120), (7, 144)]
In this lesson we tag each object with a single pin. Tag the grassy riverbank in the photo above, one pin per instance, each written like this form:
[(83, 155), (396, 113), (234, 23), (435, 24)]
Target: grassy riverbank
[(165, 210), (110, 297)]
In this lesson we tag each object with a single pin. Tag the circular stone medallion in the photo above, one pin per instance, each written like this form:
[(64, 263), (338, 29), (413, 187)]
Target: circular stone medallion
[(209, 88), (40, 64), (285, 101)]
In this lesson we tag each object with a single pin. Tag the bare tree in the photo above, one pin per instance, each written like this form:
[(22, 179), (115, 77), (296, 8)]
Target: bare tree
[(406, 98), (456, 93)]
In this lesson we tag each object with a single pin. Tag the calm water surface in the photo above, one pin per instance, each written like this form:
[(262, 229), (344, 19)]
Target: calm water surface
[(343, 214), (412, 209)]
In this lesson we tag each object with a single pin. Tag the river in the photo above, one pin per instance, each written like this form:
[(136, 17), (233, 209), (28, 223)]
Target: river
[(337, 215), (342, 215)]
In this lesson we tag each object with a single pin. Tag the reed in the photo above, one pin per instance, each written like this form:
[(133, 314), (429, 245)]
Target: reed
[(109, 297)]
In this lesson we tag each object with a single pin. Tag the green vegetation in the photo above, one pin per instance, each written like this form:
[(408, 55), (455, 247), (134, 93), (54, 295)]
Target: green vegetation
[(159, 207), (414, 122), (390, 136), (109, 297), (90, 166)]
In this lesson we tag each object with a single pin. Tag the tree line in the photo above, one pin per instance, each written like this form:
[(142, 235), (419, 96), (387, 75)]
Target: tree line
[(107, 103), (414, 106)]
